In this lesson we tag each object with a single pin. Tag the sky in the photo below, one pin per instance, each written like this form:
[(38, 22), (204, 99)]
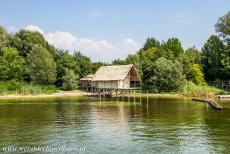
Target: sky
[(105, 30)]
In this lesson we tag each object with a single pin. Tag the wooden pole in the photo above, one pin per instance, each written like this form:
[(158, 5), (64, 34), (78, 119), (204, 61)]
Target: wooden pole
[(129, 95), (134, 96), (122, 95), (147, 96), (140, 96)]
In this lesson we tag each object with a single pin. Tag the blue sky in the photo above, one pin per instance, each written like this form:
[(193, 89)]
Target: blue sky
[(106, 29)]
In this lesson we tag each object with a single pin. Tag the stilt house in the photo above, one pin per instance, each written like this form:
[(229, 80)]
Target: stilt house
[(115, 77)]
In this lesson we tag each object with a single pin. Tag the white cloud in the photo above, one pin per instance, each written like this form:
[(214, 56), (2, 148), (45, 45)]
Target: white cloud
[(34, 29), (96, 49)]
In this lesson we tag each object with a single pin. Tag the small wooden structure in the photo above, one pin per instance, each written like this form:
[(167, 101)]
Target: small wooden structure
[(115, 78), (86, 82)]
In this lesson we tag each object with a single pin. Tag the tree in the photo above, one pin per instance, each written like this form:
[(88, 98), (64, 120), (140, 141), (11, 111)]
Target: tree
[(41, 66), (225, 61), (84, 64), (173, 46), (147, 61), (64, 61), (70, 80), (4, 38), (151, 42), (25, 40), (168, 75), (211, 58), (223, 26), (190, 57), (196, 75), (11, 65), (194, 55), (119, 62)]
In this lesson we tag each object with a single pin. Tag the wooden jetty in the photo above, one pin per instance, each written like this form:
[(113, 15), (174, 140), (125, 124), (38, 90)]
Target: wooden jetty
[(213, 104)]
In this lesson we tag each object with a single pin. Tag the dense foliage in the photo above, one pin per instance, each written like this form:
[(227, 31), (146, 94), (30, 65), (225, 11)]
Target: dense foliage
[(28, 60), (41, 66)]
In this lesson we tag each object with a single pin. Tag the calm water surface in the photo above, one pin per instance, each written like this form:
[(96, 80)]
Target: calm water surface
[(161, 125)]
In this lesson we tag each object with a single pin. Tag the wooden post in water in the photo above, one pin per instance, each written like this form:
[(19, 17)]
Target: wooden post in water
[(134, 100), (129, 96), (147, 96), (140, 96)]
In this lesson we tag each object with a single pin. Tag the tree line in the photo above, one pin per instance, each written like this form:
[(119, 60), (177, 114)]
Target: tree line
[(27, 57)]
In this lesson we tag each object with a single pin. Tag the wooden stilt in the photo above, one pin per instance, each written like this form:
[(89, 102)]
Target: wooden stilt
[(140, 96), (122, 95), (129, 95), (147, 96)]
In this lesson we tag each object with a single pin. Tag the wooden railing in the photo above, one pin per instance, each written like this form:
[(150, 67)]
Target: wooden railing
[(221, 84)]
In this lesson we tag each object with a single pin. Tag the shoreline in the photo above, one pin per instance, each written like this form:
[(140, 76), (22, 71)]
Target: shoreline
[(79, 93)]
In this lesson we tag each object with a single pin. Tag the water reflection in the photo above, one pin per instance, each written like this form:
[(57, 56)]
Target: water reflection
[(162, 125)]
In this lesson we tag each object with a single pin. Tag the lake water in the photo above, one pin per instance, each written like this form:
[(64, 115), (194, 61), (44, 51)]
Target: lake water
[(91, 125)]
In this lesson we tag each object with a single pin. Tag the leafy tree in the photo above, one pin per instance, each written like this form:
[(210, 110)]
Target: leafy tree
[(151, 42), (190, 57), (11, 65), (84, 64), (223, 26), (119, 62), (173, 47), (196, 75), (225, 61), (70, 80), (147, 61), (194, 55), (64, 61), (25, 40), (211, 58), (41, 66), (4, 38), (168, 75)]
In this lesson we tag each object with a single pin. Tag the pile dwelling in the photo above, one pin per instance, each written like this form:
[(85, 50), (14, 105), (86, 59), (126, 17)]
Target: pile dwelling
[(109, 80)]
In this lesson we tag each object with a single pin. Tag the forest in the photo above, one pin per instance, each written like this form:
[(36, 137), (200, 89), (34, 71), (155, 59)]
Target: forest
[(30, 65)]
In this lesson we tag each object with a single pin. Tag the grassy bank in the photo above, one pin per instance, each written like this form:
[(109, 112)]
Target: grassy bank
[(192, 90), (17, 88)]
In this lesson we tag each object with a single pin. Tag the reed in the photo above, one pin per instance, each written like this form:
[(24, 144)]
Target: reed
[(193, 90), (17, 88)]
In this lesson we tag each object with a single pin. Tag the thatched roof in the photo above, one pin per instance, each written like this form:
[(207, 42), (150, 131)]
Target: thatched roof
[(111, 73), (87, 77)]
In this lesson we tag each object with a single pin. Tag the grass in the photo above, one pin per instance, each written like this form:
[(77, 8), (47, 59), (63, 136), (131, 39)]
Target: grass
[(193, 90), (17, 88)]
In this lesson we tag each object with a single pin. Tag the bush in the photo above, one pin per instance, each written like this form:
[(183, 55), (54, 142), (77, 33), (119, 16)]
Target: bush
[(13, 85)]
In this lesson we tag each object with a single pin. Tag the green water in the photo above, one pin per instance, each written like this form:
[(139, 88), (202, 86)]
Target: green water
[(159, 125)]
